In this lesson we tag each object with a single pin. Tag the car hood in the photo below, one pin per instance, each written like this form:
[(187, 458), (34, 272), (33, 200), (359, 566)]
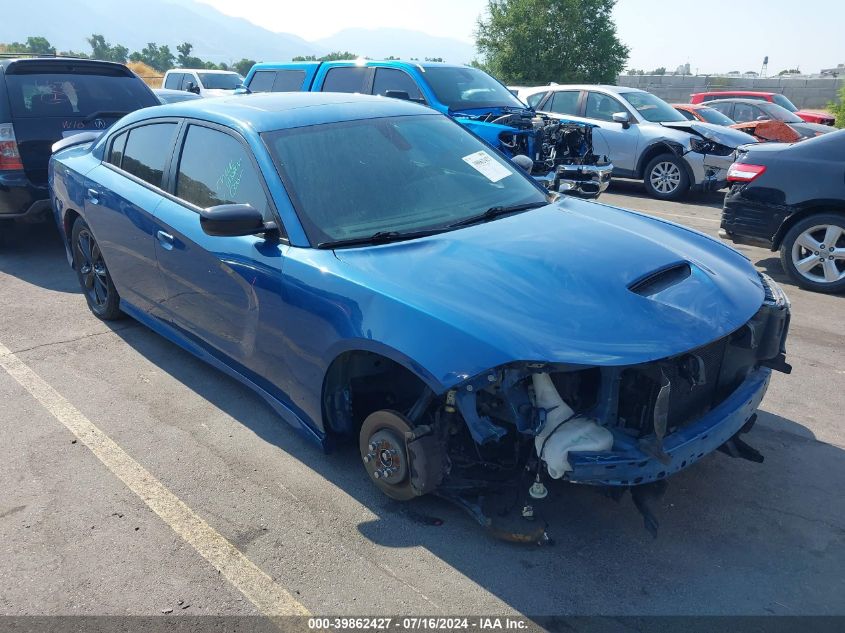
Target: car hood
[(717, 133), (554, 284)]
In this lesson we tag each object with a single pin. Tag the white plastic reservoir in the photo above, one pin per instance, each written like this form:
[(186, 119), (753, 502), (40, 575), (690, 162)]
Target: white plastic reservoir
[(579, 434)]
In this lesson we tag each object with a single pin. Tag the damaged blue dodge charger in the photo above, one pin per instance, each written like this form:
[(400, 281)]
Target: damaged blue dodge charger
[(381, 276)]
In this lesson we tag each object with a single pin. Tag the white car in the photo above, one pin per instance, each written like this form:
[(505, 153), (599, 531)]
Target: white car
[(645, 137), (206, 83)]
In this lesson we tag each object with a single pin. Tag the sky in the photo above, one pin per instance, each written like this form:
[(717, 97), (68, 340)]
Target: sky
[(712, 35)]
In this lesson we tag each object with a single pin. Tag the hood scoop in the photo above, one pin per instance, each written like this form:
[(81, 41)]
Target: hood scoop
[(656, 282)]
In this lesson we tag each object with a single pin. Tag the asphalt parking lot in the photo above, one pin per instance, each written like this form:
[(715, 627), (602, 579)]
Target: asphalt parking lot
[(735, 537)]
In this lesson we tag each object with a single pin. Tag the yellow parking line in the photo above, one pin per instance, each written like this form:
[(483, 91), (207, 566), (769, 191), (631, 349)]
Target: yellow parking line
[(269, 597)]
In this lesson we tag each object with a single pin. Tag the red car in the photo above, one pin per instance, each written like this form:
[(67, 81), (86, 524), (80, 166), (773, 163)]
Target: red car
[(811, 116)]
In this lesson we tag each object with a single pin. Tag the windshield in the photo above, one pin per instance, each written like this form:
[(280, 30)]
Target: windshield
[(712, 115), (76, 95), (652, 108), (781, 114), (220, 81), (783, 102), (468, 88), (356, 178)]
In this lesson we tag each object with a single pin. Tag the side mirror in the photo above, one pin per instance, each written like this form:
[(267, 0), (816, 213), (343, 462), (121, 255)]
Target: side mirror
[(232, 220), (397, 94), (192, 87), (623, 118)]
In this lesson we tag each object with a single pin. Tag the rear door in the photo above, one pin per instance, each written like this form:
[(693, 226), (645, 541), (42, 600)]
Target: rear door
[(52, 99), (350, 78), (121, 197)]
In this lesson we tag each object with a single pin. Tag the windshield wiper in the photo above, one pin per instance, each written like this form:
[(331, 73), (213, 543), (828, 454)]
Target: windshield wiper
[(495, 212), (380, 237)]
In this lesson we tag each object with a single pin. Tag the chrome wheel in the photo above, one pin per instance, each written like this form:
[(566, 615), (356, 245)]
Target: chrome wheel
[(665, 177), (92, 269), (818, 254)]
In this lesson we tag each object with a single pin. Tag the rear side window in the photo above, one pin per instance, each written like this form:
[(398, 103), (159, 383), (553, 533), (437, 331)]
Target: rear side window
[(215, 169), (535, 99), (75, 94), (262, 81), (173, 80), (117, 148), (744, 112), (147, 150), (345, 79), (724, 108), (565, 102), (289, 80), (393, 80)]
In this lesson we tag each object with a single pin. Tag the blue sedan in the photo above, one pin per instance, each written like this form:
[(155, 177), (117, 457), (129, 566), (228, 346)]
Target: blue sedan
[(380, 275)]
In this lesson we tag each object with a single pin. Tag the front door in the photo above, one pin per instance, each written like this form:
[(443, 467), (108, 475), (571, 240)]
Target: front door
[(224, 293)]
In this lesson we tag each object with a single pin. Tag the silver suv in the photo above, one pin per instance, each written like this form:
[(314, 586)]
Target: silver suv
[(647, 139)]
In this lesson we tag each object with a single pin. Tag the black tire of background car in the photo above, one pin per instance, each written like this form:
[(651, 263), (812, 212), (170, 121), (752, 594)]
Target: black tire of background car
[(683, 184), (802, 225), (110, 310)]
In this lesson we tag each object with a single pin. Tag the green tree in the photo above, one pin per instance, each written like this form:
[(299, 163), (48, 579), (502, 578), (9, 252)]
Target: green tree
[(838, 109), (158, 57), (538, 41), (101, 49), (658, 71), (331, 57), (34, 46), (242, 67), (39, 46)]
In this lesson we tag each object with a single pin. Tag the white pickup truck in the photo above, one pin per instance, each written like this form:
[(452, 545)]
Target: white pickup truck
[(206, 83)]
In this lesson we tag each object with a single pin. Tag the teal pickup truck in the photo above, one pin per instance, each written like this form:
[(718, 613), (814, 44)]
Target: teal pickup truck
[(557, 153)]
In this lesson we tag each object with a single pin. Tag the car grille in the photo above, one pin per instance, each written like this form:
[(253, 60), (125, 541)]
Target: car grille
[(639, 387)]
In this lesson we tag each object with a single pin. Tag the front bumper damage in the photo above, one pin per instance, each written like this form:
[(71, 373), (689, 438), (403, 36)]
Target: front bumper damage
[(628, 465), (709, 172), (663, 416)]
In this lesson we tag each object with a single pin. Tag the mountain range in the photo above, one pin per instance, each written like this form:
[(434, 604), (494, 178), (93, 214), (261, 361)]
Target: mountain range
[(215, 36)]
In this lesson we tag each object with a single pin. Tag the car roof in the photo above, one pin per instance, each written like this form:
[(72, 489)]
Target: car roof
[(397, 63), (203, 70), (267, 111), (10, 62), (736, 100), (755, 93), (598, 87)]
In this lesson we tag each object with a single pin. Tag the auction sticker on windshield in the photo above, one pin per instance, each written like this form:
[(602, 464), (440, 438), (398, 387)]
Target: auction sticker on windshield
[(487, 166)]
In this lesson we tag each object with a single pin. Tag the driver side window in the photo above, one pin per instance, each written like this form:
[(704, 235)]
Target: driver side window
[(602, 107)]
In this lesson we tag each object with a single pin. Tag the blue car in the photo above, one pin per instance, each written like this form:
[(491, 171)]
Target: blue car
[(383, 277), (558, 153)]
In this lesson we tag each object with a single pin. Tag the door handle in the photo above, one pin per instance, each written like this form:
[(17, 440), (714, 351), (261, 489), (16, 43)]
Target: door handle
[(166, 240), (93, 196)]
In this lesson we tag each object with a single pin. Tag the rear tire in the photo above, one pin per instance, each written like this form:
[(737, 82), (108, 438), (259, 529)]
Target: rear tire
[(93, 275), (809, 257), (665, 177)]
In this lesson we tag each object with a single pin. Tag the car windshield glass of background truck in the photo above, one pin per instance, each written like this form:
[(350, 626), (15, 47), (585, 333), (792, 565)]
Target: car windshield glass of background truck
[(353, 179), (652, 108), (467, 88), (220, 81), (75, 94)]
